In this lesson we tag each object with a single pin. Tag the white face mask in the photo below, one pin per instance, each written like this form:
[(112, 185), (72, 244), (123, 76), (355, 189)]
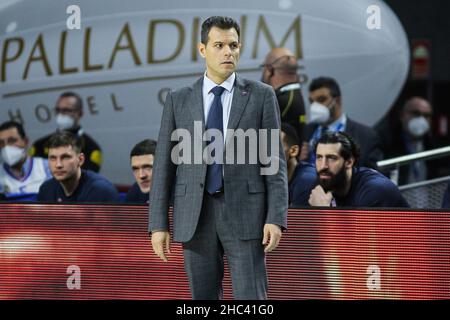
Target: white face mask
[(64, 122), (12, 154), (319, 113), (418, 126)]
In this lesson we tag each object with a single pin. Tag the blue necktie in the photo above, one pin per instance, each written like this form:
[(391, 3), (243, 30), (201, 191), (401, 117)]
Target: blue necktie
[(214, 179)]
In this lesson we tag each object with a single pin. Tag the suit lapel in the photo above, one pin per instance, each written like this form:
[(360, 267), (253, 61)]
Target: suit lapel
[(349, 127), (239, 102), (195, 103)]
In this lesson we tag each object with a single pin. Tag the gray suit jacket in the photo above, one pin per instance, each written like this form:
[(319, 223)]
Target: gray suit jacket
[(251, 199)]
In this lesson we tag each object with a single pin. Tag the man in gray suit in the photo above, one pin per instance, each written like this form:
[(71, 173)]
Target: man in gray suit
[(232, 207)]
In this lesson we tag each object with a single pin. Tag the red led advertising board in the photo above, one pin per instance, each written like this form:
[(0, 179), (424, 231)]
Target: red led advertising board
[(104, 252)]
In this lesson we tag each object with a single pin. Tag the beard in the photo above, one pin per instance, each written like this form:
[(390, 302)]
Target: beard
[(335, 183)]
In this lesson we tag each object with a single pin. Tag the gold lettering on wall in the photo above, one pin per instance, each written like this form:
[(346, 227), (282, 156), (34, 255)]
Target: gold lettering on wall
[(243, 27), (16, 117), (41, 56), (262, 28), (5, 58), (62, 56), (86, 53), (43, 113), (116, 106), (19, 54), (195, 32), (151, 38), (91, 105), (128, 46)]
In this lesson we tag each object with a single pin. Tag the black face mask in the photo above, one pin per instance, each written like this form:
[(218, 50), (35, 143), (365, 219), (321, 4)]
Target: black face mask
[(337, 182)]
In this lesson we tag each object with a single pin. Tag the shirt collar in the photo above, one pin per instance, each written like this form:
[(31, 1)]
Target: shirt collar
[(340, 123), (289, 87), (228, 84)]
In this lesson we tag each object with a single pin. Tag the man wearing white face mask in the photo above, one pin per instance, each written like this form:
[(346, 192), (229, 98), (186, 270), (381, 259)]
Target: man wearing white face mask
[(19, 174), (69, 110), (412, 135), (326, 114)]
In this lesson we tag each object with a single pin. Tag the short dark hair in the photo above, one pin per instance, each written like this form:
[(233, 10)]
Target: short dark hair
[(349, 147), (69, 94), (220, 22), (13, 124), (64, 139), (147, 146), (291, 136), (326, 82)]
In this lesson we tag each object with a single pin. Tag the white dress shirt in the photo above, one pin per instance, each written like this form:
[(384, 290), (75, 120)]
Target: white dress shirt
[(226, 98)]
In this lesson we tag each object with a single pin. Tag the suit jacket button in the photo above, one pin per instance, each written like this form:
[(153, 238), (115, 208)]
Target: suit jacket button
[(201, 185)]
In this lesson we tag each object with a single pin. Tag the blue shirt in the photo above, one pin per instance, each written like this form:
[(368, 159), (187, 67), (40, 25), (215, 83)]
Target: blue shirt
[(370, 188), (303, 181), (446, 199), (91, 188), (136, 195)]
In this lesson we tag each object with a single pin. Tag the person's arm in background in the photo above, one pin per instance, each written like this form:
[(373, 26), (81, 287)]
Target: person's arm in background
[(302, 186)]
